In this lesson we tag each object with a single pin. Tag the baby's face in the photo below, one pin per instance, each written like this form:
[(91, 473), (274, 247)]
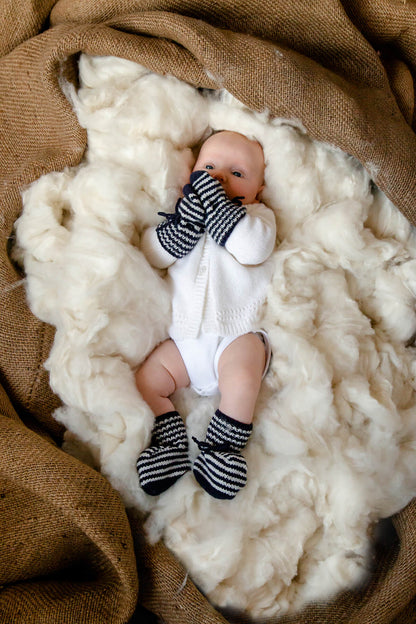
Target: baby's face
[(236, 162)]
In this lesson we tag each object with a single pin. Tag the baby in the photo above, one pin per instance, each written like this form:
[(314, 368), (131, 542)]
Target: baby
[(215, 245)]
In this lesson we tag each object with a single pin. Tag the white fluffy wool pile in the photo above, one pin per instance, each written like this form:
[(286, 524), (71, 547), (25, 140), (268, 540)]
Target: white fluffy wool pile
[(334, 441)]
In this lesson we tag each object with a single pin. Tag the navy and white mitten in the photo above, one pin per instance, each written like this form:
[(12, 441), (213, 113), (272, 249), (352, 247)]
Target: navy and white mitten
[(221, 214), (220, 468), (181, 230), (166, 459)]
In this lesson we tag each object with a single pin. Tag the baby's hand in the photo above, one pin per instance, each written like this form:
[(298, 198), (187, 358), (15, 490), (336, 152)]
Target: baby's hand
[(189, 207), (181, 230), (221, 214), (201, 179), (199, 176)]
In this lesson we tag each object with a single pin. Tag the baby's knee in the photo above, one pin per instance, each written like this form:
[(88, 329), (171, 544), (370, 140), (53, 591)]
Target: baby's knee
[(144, 379), (248, 379), (241, 381), (155, 376)]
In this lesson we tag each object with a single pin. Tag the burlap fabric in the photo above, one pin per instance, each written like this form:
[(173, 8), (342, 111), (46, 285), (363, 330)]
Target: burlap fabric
[(346, 69)]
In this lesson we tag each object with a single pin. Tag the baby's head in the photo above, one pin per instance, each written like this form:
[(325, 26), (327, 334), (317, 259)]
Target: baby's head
[(236, 161)]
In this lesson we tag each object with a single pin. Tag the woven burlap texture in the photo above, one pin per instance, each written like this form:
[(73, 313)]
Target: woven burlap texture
[(346, 70)]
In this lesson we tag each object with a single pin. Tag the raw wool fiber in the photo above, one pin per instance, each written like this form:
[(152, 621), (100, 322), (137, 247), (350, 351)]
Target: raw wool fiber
[(334, 442)]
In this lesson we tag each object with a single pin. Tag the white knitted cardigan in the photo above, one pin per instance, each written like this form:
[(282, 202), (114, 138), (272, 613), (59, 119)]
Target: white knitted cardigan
[(219, 290)]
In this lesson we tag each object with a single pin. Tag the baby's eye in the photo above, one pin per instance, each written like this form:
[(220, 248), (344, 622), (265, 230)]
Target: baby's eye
[(209, 167), (237, 174)]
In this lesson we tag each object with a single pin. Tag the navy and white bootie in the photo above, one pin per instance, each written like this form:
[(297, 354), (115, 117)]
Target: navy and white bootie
[(220, 468), (166, 459)]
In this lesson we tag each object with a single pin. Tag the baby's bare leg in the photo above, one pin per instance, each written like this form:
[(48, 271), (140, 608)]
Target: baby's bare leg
[(160, 375), (240, 371), (166, 459), (220, 468)]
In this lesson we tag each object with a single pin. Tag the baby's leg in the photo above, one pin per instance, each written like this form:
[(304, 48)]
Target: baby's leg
[(160, 375), (220, 468), (166, 459), (240, 371)]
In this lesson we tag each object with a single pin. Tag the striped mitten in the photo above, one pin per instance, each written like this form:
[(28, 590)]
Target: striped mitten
[(181, 230), (219, 468), (221, 214), (166, 459)]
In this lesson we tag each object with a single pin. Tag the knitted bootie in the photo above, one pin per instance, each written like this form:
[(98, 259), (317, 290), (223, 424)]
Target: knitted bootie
[(219, 468), (166, 459)]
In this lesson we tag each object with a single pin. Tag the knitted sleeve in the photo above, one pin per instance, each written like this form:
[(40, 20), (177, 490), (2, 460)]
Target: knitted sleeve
[(153, 251), (254, 237)]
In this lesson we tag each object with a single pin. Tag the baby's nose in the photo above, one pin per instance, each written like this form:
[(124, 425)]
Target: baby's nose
[(219, 175)]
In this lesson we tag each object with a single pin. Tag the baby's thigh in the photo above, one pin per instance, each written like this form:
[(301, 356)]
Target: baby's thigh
[(164, 369), (246, 355)]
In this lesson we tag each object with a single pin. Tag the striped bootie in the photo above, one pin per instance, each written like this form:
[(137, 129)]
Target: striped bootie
[(220, 468), (166, 459)]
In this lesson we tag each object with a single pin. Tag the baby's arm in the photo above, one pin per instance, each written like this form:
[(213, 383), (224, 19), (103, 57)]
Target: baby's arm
[(156, 255), (178, 234), (221, 214), (254, 237), (247, 232)]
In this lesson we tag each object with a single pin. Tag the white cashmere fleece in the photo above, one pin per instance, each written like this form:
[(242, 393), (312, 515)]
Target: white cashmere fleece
[(334, 441), (219, 290)]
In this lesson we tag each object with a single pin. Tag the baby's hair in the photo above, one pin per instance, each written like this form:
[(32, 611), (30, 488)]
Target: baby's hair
[(211, 132)]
